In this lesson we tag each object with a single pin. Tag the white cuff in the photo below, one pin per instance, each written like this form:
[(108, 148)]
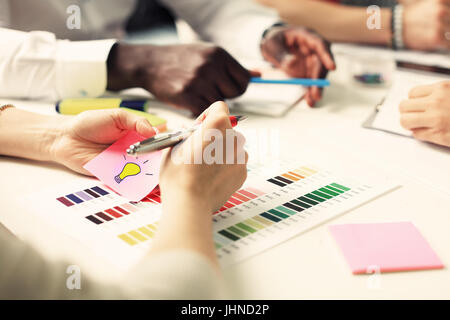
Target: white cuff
[(174, 274), (81, 69)]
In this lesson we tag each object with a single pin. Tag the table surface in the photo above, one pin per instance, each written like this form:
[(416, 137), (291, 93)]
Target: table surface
[(308, 266)]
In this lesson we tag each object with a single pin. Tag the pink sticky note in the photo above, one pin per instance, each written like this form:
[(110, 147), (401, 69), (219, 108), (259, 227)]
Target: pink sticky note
[(384, 247), (131, 177)]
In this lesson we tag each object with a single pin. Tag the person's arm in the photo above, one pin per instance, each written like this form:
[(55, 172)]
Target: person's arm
[(170, 274), (39, 66), (426, 113), (425, 22), (190, 76), (200, 189), (333, 21), (70, 141), (245, 27), (182, 262), (236, 25)]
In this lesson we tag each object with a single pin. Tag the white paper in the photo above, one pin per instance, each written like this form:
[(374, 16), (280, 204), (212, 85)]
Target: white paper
[(104, 239), (267, 99), (440, 59)]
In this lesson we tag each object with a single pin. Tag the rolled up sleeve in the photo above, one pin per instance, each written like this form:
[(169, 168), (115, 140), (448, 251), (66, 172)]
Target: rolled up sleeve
[(36, 65), (178, 274)]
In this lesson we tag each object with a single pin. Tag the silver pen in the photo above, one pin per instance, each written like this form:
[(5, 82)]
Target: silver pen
[(165, 140)]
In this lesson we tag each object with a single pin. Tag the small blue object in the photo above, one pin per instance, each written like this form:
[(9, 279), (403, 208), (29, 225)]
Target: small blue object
[(134, 104), (297, 81), (370, 78)]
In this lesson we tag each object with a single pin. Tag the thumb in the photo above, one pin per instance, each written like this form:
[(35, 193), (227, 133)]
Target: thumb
[(217, 117), (218, 106), (126, 120)]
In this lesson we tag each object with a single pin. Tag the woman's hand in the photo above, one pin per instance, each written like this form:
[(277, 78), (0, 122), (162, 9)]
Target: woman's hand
[(426, 23), (193, 188), (208, 183), (427, 113), (86, 135)]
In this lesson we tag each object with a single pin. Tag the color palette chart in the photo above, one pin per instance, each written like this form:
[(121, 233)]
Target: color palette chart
[(272, 206), (281, 206), (83, 196), (294, 201), (95, 215)]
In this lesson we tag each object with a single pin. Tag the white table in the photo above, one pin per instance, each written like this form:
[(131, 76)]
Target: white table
[(310, 265)]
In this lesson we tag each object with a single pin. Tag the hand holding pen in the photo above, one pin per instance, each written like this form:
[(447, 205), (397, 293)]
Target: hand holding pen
[(165, 140)]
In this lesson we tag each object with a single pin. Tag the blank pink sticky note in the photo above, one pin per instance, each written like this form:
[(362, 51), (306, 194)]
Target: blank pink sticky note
[(386, 247), (131, 177)]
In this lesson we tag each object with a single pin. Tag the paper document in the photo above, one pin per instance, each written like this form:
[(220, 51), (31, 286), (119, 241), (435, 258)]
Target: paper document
[(275, 204), (268, 99), (423, 58)]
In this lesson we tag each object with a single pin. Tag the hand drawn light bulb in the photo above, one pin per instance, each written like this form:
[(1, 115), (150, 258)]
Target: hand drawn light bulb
[(130, 169)]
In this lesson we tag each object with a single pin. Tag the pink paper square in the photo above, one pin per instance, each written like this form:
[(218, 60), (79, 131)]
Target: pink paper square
[(386, 247), (131, 177)]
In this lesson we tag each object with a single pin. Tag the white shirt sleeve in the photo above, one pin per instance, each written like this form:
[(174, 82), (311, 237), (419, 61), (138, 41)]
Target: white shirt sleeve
[(178, 274), (24, 274), (236, 25), (37, 65)]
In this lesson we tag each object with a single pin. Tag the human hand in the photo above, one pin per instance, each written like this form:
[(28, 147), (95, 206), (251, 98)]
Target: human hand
[(206, 181), (300, 53), (425, 25), (84, 136), (427, 113), (190, 76)]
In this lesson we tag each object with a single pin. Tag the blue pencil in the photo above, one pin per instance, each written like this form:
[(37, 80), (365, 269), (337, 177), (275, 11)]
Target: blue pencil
[(298, 81)]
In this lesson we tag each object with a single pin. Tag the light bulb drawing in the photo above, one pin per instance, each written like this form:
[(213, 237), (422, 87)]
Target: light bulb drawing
[(130, 169)]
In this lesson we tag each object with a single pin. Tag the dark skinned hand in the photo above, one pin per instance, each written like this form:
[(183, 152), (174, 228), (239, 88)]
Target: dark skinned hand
[(301, 53), (191, 76)]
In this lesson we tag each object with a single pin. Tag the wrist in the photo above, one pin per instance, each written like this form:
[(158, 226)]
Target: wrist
[(124, 66), (178, 200), (387, 29), (53, 132), (29, 135)]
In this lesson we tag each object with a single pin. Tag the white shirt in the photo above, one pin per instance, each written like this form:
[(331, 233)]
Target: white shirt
[(41, 65), (181, 274)]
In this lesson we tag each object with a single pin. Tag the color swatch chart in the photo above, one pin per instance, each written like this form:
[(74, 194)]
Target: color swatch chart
[(145, 233), (270, 208), (96, 216), (294, 201), (108, 214), (281, 206), (78, 197)]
